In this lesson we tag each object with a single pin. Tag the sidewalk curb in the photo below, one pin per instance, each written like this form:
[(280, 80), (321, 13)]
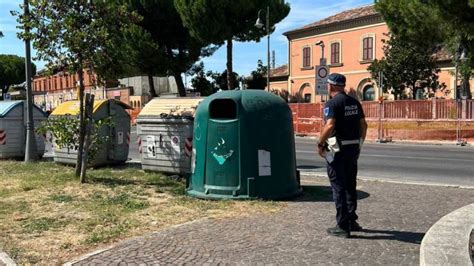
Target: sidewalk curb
[(88, 255), (6, 259), (448, 240), (373, 179)]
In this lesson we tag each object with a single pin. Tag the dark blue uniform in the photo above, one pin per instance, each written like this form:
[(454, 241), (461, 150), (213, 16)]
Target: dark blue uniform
[(342, 171)]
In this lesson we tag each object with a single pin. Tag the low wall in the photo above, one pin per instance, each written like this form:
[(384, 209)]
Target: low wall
[(421, 130), (398, 130)]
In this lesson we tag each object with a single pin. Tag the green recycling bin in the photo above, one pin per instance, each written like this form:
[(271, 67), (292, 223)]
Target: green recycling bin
[(243, 147)]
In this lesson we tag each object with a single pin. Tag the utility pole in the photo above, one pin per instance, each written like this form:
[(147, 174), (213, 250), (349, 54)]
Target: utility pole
[(268, 48), (380, 129), (273, 59), (31, 153), (460, 56), (260, 25)]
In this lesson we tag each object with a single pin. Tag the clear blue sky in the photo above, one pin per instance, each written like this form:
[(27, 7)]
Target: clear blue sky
[(245, 54)]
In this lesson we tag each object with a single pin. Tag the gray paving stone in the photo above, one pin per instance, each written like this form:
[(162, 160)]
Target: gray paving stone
[(395, 218)]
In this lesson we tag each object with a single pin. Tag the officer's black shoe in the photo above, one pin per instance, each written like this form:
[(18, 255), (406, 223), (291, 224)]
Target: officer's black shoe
[(355, 226), (339, 232)]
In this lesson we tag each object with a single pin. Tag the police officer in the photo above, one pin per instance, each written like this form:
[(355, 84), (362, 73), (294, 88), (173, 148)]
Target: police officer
[(344, 119)]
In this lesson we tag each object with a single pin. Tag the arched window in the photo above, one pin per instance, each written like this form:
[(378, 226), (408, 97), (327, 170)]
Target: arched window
[(305, 93), (368, 93)]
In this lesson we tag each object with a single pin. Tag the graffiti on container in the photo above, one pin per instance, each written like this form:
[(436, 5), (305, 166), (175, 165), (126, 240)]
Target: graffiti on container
[(221, 153)]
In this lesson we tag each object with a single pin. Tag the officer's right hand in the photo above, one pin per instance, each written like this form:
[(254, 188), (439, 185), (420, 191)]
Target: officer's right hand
[(321, 151)]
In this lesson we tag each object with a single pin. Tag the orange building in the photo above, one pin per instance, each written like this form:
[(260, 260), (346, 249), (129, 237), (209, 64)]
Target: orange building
[(352, 40), (50, 90)]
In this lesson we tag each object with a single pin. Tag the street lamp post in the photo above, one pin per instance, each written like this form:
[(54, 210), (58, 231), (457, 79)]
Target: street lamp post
[(322, 60), (380, 85), (260, 25), (460, 57), (31, 153)]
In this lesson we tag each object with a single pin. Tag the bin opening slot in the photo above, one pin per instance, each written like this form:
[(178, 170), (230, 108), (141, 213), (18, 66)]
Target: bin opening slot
[(223, 109)]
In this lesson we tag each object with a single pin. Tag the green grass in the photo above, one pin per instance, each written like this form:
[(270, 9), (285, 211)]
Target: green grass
[(15, 252), (5, 193), (38, 225), (201, 205), (105, 234), (10, 207), (123, 201), (61, 198)]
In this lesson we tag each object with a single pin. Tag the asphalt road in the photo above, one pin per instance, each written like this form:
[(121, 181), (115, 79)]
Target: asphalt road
[(417, 163)]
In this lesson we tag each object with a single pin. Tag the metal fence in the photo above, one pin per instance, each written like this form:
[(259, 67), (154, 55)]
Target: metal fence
[(421, 109)]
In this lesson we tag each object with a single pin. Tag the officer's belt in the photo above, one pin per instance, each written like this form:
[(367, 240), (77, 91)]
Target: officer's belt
[(350, 142)]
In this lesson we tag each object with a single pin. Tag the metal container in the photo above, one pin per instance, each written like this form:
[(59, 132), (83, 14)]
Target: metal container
[(115, 150), (165, 132), (13, 129)]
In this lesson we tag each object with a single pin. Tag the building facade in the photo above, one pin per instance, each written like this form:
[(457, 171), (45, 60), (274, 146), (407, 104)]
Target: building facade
[(350, 41), (50, 90)]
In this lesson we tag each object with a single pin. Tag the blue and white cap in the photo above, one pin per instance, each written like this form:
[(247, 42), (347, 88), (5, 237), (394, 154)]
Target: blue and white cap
[(337, 79)]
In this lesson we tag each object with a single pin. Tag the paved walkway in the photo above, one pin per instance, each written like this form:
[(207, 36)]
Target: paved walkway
[(395, 216)]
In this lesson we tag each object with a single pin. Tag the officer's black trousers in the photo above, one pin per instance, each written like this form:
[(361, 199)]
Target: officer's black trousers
[(342, 173)]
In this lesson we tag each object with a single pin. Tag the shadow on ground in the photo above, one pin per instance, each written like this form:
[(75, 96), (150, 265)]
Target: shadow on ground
[(112, 182), (322, 194), (409, 237), (309, 167)]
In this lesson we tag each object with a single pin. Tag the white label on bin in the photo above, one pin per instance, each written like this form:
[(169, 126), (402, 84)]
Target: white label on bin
[(193, 161), (150, 146), (264, 163), (120, 138)]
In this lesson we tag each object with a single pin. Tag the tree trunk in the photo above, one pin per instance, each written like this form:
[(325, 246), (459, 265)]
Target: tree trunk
[(177, 74), (152, 85), (180, 84), (87, 137), (230, 71), (82, 129)]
